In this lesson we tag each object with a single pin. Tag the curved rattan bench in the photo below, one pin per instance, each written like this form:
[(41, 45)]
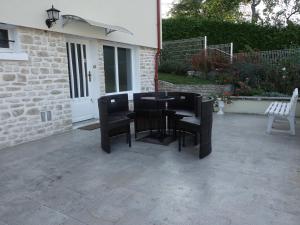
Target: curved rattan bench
[(184, 105), (148, 115), (199, 125)]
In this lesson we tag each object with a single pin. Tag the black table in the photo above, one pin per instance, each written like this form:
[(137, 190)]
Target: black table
[(160, 135)]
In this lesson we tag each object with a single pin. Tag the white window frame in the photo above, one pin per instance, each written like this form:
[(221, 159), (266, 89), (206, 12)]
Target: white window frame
[(11, 36), (133, 68), (12, 53)]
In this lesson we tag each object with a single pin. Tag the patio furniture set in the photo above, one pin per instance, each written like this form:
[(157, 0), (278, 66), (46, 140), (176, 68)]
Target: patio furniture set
[(162, 117)]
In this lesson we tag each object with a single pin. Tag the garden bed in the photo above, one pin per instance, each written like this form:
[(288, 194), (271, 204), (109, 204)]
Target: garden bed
[(254, 104), (183, 79), (203, 89)]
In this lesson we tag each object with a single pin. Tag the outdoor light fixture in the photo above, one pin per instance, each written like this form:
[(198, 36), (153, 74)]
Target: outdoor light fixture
[(53, 15)]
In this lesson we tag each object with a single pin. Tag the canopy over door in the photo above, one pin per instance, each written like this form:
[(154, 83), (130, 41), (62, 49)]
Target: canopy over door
[(108, 28)]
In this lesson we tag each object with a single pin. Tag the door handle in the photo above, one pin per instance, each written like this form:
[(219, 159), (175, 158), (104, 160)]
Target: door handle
[(90, 76)]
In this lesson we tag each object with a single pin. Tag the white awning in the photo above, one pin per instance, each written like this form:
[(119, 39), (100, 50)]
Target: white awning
[(108, 28)]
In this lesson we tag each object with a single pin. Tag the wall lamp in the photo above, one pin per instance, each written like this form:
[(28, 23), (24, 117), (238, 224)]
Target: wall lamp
[(53, 16)]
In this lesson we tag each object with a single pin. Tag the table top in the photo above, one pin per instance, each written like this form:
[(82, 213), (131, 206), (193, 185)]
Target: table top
[(158, 98)]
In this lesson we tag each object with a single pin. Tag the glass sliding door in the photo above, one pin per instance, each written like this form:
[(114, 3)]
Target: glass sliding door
[(118, 69), (124, 64), (109, 69)]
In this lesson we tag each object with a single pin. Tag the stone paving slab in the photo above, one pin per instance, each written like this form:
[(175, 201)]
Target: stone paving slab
[(250, 178)]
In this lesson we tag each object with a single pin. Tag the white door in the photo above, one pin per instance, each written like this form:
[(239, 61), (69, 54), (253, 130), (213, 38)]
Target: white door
[(80, 80)]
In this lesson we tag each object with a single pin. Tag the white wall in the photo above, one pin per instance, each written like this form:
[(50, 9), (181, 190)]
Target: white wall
[(138, 16)]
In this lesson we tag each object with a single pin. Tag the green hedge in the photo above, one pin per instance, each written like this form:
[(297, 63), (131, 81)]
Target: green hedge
[(243, 35)]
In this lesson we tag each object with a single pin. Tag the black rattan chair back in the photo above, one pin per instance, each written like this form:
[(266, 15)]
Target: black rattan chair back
[(183, 101), (140, 104), (206, 112), (113, 111)]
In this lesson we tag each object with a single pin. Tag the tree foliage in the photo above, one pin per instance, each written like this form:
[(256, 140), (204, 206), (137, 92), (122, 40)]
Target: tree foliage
[(211, 9), (187, 8), (271, 12), (282, 12), (245, 36)]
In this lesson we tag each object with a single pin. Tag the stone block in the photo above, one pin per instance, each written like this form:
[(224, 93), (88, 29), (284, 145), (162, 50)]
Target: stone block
[(42, 54), (26, 39), (5, 95), (19, 84), (24, 71), (17, 112), (33, 112), (16, 105), (37, 99), (12, 89), (8, 77), (4, 115), (55, 92), (61, 81), (44, 70), (34, 70)]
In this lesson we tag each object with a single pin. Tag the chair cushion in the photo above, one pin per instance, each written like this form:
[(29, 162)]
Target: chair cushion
[(191, 120), (189, 124), (184, 113)]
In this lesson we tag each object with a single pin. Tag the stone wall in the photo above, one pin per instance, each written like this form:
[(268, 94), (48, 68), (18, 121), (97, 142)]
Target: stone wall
[(147, 69), (205, 90), (28, 88)]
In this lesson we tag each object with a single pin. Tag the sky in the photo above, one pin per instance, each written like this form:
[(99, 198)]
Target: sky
[(165, 6)]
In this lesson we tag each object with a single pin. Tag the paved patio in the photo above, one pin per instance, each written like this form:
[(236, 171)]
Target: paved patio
[(250, 178)]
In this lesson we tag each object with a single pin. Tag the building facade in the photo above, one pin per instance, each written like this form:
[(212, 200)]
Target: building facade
[(51, 78)]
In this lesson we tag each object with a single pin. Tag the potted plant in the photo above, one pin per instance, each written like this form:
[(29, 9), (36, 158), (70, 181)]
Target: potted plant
[(220, 102)]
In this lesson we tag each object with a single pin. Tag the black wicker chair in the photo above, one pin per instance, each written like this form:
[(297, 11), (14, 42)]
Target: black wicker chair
[(115, 118), (184, 105), (148, 114), (201, 125)]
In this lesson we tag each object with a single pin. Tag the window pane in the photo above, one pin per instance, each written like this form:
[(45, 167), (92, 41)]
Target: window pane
[(109, 69), (85, 71), (4, 39), (125, 74), (73, 58), (69, 69), (80, 70)]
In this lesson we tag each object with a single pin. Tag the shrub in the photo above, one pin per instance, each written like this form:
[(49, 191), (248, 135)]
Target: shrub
[(173, 67), (245, 36)]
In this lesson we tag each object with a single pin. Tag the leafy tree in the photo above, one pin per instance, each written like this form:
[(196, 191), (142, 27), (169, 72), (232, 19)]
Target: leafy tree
[(187, 8), (222, 10), (275, 12), (212, 9), (282, 12), (254, 13)]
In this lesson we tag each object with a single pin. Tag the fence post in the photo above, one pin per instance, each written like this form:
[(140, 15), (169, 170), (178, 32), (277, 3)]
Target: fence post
[(205, 55), (231, 52), (205, 46)]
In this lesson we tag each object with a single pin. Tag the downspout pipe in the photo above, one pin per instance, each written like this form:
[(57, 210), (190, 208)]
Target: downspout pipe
[(158, 43)]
